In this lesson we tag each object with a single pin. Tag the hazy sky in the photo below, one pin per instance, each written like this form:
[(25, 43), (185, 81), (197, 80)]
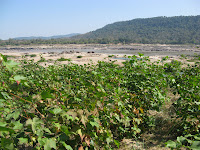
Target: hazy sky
[(58, 17)]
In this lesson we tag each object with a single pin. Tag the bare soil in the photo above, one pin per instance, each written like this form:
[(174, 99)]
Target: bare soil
[(92, 53)]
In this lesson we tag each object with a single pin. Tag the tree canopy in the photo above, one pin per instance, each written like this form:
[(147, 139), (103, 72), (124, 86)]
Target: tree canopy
[(172, 30)]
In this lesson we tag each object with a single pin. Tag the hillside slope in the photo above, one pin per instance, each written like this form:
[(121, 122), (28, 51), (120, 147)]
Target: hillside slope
[(179, 29)]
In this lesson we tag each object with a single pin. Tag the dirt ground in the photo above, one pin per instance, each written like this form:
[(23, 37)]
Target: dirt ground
[(92, 53)]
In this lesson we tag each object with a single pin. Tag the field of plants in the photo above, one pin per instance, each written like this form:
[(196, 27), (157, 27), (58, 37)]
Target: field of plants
[(96, 106)]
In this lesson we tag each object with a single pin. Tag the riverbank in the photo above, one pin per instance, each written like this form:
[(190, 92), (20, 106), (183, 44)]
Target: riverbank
[(92, 53)]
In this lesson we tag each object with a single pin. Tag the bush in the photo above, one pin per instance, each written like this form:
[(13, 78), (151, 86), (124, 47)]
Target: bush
[(33, 55), (63, 59), (79, 56)]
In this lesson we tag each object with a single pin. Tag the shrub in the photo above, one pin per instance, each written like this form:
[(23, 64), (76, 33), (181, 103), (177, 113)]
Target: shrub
[(33, 55), (79, 56), (63, 59)]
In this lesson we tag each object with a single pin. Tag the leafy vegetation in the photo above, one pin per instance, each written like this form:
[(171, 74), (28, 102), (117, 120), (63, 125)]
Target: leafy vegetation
[(79, 56), (94, 106), (10, 56), (42, 59), (63, 59), (33, 55)]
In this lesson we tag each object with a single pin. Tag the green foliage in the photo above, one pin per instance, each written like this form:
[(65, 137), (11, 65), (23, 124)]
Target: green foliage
[(168, 30), (195, 58), (11, 56), (63, 59), (110, 56), (42, 59), (33, 55), (79, 56), (183, 56), (186, 84), (92, 106)]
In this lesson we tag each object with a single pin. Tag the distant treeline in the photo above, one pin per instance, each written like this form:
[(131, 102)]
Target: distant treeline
[(162, 30), (57, 41), (88, 41)]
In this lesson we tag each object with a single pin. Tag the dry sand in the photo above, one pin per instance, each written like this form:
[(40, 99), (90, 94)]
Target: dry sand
[(92, 53)]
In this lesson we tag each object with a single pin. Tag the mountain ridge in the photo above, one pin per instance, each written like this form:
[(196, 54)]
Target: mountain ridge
[(46, 37), (177, 29), (156, 30)]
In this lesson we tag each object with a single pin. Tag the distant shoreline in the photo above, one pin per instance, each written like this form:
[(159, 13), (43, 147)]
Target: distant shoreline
[(97, 46), (132, 49)]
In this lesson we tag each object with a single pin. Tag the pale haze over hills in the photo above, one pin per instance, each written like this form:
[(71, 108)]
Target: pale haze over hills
[(46, 38)]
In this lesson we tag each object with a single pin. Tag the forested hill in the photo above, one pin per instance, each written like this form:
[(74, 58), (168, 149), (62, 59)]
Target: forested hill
[(163, 30), (174, 30)]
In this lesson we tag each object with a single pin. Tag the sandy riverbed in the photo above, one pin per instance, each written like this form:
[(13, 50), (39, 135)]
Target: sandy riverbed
[(94, 53)]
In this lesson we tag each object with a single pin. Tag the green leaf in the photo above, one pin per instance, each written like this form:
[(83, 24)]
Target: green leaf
[(120, 104), (80, 134), (57, 125), (171, 144), (3, 124), (68, 147), (108, 140), (117, 143), (6, 129), (181, 139), (2, 100), (94, 124), (198, 103), (17, 125), (16, 114), (39, 131), (47, 130), (35, 123), (4, 57), (23, 141), (46, 95), (50, 143), (7, 144), (140, 54), (197, 138), (195, 145), (65, 130), (19, 78), (77, 99), (5, 95), (56, 111), (42, 141), (10, 64), (84, 120)]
